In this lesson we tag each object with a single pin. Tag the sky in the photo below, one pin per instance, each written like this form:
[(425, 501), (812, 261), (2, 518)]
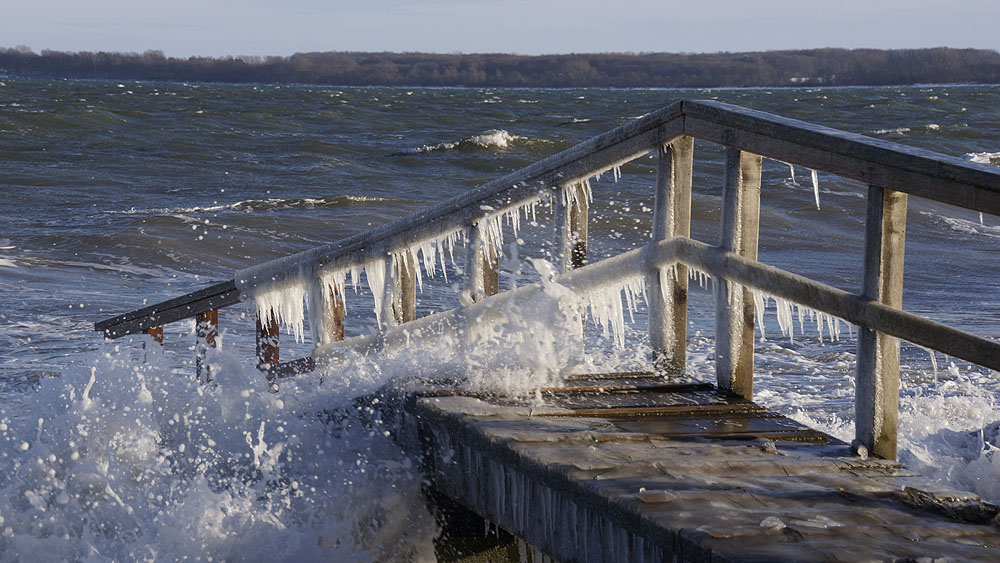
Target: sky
[(183, 28)]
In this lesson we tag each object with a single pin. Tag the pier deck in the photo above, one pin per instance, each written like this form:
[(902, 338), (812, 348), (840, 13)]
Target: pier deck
[(637, 468)]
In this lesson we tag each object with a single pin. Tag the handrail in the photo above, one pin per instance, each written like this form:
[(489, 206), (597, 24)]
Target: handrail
[(892, 171)]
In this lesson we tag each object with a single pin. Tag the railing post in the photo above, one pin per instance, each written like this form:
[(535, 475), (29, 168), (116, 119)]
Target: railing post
[(268, 338), (329, 319), (877, 378), (668, 295), (734, 308), (407, 287), (572, 217), (482, 275), (157, 333), (208, 330), (391, 312)]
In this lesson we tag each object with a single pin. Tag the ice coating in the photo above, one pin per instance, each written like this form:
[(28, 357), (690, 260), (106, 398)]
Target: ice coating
[(815, 182), (491, 226), (606, 308), (375, 274), (571, 194), (430, 252), (286, 305), (786, 313)]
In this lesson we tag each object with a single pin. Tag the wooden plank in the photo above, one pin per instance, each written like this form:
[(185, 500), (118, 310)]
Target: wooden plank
[(877, 368), (291, 368), (667, 292), (718, 487), (871, 161), (734, 307), (180, 308)]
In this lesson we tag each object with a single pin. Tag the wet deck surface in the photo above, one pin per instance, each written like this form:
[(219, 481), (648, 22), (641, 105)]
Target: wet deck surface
[(636, 468)]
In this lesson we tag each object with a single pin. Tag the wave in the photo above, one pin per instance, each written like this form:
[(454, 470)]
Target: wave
[(498, 139), (269, 204), (896, 131), (983, 157), (965, 226)]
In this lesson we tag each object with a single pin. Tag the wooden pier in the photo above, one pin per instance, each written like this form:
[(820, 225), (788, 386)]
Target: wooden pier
[(639, 468), (642, 467)]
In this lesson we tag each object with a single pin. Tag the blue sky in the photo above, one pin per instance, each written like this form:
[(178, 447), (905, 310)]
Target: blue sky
[(283, 27)]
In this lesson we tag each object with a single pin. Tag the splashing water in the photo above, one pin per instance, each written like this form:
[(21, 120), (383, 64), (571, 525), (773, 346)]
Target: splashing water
[(133, 460)]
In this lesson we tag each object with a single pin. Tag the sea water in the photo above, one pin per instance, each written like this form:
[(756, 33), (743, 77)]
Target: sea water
[(119, 195)]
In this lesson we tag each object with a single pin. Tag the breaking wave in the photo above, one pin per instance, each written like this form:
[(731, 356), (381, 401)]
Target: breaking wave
[(494, 139)]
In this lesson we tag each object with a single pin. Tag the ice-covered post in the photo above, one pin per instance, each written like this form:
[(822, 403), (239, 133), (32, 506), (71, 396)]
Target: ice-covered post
[(572, 215), (327, 301), (668, 294), (208, 330), (268, 335), (391, 312), (482, 277), (407, 287), (734, 308), (877, 378)]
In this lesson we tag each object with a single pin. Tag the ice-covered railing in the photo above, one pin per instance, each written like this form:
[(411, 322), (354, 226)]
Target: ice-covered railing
[(396, 256)]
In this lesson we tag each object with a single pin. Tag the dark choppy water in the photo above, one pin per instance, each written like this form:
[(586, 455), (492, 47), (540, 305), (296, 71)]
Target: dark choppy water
[(118, 192)]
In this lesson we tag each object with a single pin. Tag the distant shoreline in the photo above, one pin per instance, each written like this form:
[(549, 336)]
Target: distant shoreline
[(768, 69)]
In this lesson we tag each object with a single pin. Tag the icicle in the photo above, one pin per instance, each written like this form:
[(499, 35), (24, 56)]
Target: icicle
[(934, 365), (815, 179), (375, 272), (791, 170), (606, 309), (285, 305), (980, 217), (759, 304)]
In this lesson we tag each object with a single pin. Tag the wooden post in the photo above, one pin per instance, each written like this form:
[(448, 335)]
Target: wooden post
[(668, 295), (330, 312), (337, 312), (157, 333), (491, 275), (877, 378), (579, 218), (268, 337), (734, 308), (407, 287), (571, 220), (482, 275), (208, 330)]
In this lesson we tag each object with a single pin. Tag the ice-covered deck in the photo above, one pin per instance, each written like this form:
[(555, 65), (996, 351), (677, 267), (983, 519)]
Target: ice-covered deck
[(638, 468)]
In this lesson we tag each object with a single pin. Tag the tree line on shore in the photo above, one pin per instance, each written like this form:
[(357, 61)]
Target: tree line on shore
[(809, 67)]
